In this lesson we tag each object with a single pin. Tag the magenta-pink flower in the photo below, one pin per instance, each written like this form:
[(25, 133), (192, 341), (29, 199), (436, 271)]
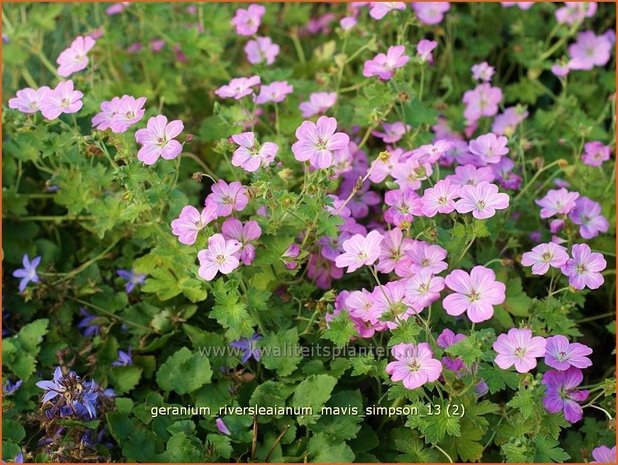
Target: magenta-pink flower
[(318, 103), (424, 49), (247, 21), (587, 214), (238, 87), (361, 305), (158, 140), (471, 175), (482, 72), (595, 153), (228, 198), (542, 256), (261, 50), (62, 99), (440, 198), (410, 173), (393, 250), (274, 92), (403, 204), (589, 51), (119, 114), (584, 269), (489, 148), (482, 101), (384, 65), (360, 250), (250, 155), (604, 454), (475, 293), (232, 228), (427, 257), (378, 10), (557, 202), (447, 338), (414, 365), (482, 200), (75, 57), (430, 13), (392, 132), (28, 100), (218, 257), (423, 289), (190, 222), (317, 141), (561, 354), (518, 347)]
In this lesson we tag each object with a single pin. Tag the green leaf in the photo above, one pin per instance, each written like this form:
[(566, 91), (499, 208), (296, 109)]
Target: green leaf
[(548, 450), (435, 426), (183, 448), (323, 449), (280, 351), (340, 330), (12, 430), (517, 301), (184, 372), (313, 392), (231, 313), (498, 379), (125, 378)]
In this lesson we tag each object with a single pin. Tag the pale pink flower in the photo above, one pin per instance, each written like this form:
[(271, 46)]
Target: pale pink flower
[(361, 305), (587, 214), (542, 256), (557, 202), (75, 57), (469, 175), (318, 103), (347, 23), (430, 13), (404, 205), (589, 51), (384, 65), (382, 167), (238, 87), (423, 289), (427, 257), (574, 12), (228, 198), (218, 257), (489, 148), (360, 250), (392, 132), (378, 10), (475, 293), (482, 101), (317, 141), (275, 92), (507, 121), (518, 347), (158, 140), (391, 303), (28, 100), (440, 198), (595, 153), (408, 174), (584, 269), (247, 21), (560, 70), (261, 49), (482, 200), (424, 49), (232, 228), (393, 250), (414, 365), (561, 354), (119, 114), (63, 99), (251, 155), (190, 222), (482, 72)]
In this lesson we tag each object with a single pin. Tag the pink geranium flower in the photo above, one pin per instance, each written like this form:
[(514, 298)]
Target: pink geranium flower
[(595, 153), (604, 454), (360, 250), (541, 257), (475, 293), (228, 198), (414, 365), (482, 101), (587, 214), (158, 140), (557, 202), (75, 57), (275, 92), (482, 200), (238, 87), (318, 103), (361, 305), (232, 228), (507, 121), (448, 338), (119, 114), (247, 21), (574, 12), (63, 99), (482, 72), (251, 155), (423, 289), (562, 395), (427, 257), (404, 205), (469, 175), (384, 65), (260, 50), (218, 257), (424, 49), (317, 141), (440, 198), (410, 173), (190, 222), (584, 269), (518, 348), (561, 354), (430, 13), (392, 132), (378, 10), (589, 51), (393, 250), (28, 100), (489, 148)]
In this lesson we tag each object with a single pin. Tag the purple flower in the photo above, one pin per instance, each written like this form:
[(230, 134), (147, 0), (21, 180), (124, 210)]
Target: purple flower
[(132, 279), (232, 228), (561, 394), (10, 388), (424, 49), (228, 198), (75, 57), (124, 359), (392, 132), (560, 354), (275, 92), (483, 100), (318, 103), (190, 222), (430, 13), (63, 99), (413, 365), (156, 45), (475, 293), (587, 214), (489, 148), (238, 87), (557, 202), (261, 49), (604, 454), (589, 51), (542, 256), (317, 141), (54, 387), (250, 155), (248, 347), (378, 10), (518, 348), (88, 323), (248, 21), (158, 140), (222, 427), (220, 256), (482, 72), (360, 250), (292, 252), (448, 338), (482, 200), (384, 65), (28, 273), (595, 152), (584, 269), (28, 100)]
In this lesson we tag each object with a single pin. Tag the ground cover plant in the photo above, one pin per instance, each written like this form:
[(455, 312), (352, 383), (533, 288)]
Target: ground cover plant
[(377, 232)]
